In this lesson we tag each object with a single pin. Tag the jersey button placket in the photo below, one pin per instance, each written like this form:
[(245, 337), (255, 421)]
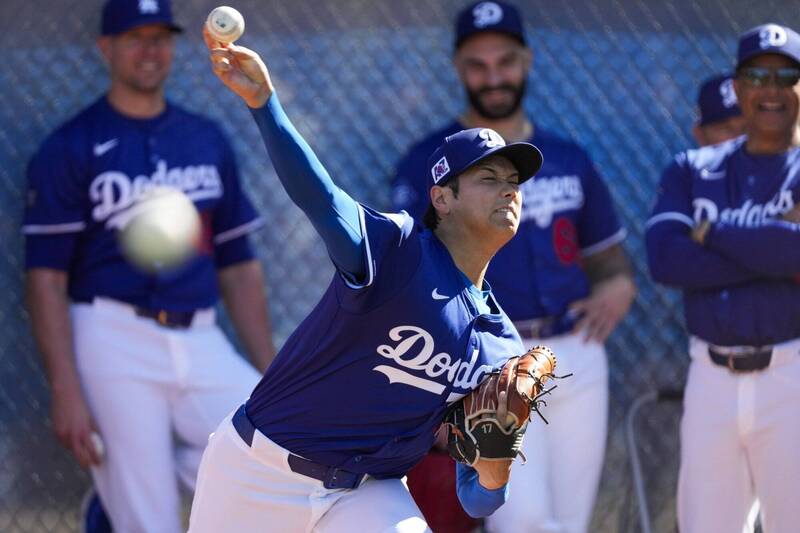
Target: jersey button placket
[(151, 145)]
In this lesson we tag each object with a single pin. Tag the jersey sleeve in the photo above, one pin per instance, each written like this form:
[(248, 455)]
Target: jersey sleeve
[(388, 251), (56, 206), (235, 217), (772, 248), (333, 213), (674, 259), (598, 224)]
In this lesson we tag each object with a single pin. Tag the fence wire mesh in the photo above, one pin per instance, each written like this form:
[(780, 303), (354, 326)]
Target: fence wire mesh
[(362, 79)]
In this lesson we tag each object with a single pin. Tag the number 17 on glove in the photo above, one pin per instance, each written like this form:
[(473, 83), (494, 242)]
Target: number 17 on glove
[(490, 422)]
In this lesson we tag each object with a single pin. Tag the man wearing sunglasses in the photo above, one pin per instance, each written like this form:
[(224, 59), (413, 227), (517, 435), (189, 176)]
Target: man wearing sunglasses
[(724, 231)]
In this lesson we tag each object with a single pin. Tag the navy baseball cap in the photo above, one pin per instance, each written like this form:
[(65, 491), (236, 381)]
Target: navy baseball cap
[(768, 39), (489, 16), (716, 100), (461, 150), (120, 16)]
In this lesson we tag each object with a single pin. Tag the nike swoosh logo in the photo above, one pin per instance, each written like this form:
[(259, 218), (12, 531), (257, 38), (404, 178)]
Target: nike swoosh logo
[(436, 296), (707, 175), (102, 148)]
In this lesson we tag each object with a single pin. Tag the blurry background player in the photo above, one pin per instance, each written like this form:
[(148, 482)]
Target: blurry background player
[(564, 278), (139, 358), (720, 118), (724, 229)]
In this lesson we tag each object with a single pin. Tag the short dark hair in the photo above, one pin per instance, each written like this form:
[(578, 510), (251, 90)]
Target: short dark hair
[(431, 219)]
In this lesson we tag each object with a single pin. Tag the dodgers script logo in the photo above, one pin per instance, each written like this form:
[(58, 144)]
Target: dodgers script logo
[(748, 214), (413, 353), (114, 192), (544, 197)]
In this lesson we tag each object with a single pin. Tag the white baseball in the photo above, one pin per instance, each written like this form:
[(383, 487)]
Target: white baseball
[(162, 230), (225, 24), (98, 445)]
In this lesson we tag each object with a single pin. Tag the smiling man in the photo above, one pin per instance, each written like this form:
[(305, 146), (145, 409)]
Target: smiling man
[(724, 230), (134, 358)]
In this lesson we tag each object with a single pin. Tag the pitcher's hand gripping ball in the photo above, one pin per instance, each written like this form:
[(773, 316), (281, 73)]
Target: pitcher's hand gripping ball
[(225, 24), (489, 423), (162, 231)]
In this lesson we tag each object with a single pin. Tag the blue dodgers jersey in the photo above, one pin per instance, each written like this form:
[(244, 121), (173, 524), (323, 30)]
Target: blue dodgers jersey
[(90, 171), (726, 185), (567, 213), (364, 381)]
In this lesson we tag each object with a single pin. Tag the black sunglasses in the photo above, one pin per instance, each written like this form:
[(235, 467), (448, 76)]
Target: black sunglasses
[(760, 76)]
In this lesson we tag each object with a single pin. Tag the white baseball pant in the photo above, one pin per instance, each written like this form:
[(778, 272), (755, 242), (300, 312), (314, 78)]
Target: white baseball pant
[(740, 440), (555, 493), (252, 488), (155, 394)]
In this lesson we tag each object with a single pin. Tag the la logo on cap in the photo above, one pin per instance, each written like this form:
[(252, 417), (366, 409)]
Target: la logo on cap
[(487, 14), (491, 139), (772, 36), (727, 93), (147, 7), (440, 169)]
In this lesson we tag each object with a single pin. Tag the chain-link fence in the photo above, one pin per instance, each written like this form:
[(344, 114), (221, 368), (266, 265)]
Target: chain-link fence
[(362, 80)]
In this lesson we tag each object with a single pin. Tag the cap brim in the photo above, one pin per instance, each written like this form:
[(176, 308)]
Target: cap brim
[(525, 157), (715, 118), (465, 36), (755, 53), (174, 28)]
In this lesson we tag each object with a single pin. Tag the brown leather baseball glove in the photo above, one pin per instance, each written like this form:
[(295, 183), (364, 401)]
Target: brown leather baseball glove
[(489, 423)]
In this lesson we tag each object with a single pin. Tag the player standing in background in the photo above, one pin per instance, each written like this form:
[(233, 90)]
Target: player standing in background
[(719, 116), (406, 328), (564, 277), (724, 229), (138, 358)]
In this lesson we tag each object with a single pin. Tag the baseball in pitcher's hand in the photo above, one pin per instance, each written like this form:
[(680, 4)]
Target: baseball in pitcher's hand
[(241, 70)]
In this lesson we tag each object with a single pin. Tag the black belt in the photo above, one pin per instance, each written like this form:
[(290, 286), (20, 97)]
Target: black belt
[(545, 327), (168, 319), (332, 478), (758, 359)]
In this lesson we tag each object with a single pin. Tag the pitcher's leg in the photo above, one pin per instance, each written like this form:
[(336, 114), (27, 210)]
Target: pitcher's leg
[(243, 488), (378, 505)]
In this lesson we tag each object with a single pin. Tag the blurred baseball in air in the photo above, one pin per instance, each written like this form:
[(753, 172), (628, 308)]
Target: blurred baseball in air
[(162, 231), (225, 24)]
